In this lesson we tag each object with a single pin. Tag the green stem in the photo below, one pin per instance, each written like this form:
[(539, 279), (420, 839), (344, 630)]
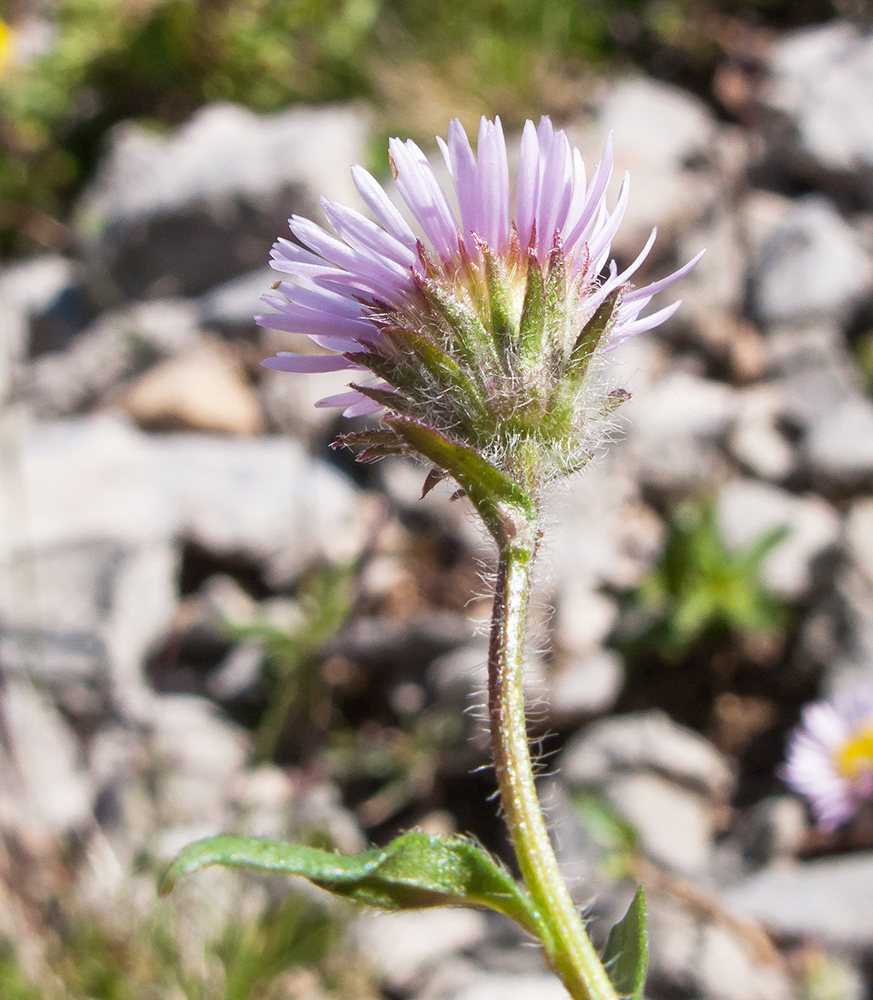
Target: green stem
[(567, 945)]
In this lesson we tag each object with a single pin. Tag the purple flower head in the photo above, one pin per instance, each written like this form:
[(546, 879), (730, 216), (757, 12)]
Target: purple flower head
[(830, 756), (481, 331)]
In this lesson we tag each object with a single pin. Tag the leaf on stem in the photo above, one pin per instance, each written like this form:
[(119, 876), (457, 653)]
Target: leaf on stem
[(626, 952), (414, 871)]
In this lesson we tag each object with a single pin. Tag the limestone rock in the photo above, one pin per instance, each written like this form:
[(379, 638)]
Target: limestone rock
[(201, 389)]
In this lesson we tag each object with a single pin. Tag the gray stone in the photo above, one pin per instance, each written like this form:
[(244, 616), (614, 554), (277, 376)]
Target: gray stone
[(263, 498), (813, 267), (41, 308), (715, 289), (772, 830), (597, 530), (674, 425), (748, 509), (87, 613), (668, 782), (757, 440), (44, 791), (120, 344), (706, 958), (675, 824), (87, 566), (196, 757), (839, 446), (583, 618), (230, 307), (179, 214), (814, 372), (77, 481), (827, 900), (403, 947), (646, 741), (820, 82), (664, 137), (584, 684), (500, 986)]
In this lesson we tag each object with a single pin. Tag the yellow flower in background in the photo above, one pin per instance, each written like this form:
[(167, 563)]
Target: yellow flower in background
[(5, 45)]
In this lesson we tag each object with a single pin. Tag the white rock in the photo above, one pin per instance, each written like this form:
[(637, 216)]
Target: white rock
[(26, 287), (748, 509), (839, 445), (675, 824), (827, 900), (116, 346), (583, 618), (813, 267), (859, 535), (76, 482), (43, 790), (264, 497), (147, 172), (403, 946), (503, 986), (756, 439), (707, 959), (597, 529), (197, 756), (585, 684), (646, 741), (820, 81), (177, 214), (664, 137), (673, 425)]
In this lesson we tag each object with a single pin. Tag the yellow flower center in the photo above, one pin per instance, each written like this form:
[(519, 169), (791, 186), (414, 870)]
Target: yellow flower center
[(855, 757)]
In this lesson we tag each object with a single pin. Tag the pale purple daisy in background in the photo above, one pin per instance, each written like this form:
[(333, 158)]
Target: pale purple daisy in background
[(830, 756), (480, 329)]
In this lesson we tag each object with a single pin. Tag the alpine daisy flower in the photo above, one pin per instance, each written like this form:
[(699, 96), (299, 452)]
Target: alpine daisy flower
[(830, 756), (486, 335)]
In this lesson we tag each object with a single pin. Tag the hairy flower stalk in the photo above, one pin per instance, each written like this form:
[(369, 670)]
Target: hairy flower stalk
[(481, 344)]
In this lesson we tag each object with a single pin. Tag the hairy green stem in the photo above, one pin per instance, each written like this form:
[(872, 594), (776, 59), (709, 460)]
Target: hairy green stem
[(566, 943)]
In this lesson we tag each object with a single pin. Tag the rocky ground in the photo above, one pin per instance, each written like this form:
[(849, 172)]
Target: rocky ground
[(182, 559)]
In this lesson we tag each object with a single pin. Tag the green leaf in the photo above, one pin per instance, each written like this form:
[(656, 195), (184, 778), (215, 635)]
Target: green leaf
[(626, 952), (415, 871), (487, 487)]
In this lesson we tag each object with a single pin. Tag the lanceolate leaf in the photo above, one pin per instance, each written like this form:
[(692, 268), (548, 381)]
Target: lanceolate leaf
[(414, 871), (626, 952)]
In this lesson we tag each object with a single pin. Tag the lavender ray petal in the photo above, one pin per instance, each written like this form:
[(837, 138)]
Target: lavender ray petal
[(659, 286), (528, 184), (362, 234), (383, 208), (284, 361)]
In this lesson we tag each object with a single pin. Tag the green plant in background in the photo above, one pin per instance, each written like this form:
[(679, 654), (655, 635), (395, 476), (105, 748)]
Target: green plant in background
[(256, 959), (108, 60), (296, 688), (703, 590)]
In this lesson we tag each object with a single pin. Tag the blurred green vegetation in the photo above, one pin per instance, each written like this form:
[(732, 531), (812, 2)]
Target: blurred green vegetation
[(293, 948), (298, 697), (702, 591), (74, 68)]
